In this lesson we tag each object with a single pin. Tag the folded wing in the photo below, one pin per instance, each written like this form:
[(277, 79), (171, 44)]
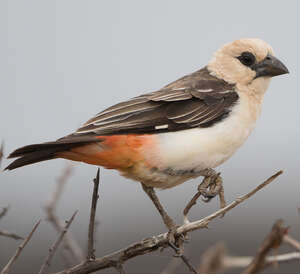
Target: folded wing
[(196, 100)]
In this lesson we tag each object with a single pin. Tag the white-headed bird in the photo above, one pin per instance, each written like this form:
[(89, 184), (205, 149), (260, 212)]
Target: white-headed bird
[(179, 132)]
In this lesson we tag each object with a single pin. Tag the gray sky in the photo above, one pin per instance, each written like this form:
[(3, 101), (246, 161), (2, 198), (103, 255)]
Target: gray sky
[(64, 61)]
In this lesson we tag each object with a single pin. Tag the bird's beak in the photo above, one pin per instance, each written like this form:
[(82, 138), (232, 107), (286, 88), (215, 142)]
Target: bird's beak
[(270, 67)]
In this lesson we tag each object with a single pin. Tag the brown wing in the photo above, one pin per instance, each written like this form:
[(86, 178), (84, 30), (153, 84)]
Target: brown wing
[(196, 100)]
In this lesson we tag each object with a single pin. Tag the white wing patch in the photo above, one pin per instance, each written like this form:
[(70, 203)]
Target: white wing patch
[(205, 90), (161, 126)]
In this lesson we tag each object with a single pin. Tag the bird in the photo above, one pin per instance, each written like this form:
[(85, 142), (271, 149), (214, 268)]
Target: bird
[(182, 131)]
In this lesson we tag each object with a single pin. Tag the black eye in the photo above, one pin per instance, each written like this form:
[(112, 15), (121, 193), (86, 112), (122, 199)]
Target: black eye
[(247, 58)]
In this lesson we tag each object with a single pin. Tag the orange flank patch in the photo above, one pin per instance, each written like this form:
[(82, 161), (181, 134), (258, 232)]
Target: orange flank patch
[(114, 152)]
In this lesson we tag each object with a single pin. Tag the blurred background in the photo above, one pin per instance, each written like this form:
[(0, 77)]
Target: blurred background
[(61, 62)]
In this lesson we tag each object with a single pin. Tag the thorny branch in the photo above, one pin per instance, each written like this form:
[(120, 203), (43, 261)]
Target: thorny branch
[(272, 241), (6, 269), (7, 233), (69, 242), (242, 262), (215, 260), (291, 241), (53, 249), (151, 244), (185, 260), (91, 250)]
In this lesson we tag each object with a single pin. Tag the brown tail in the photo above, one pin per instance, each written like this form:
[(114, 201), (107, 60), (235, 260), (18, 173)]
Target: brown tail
[(46, 151)]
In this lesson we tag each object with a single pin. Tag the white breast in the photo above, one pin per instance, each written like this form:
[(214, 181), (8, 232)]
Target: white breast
[(201, 148)]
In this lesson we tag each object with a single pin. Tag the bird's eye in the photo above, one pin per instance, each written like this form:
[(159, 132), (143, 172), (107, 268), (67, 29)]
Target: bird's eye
[(247, 58)]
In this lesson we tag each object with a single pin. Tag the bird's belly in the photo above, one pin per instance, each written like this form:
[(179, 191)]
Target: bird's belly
[(201, 148), (180, 156)]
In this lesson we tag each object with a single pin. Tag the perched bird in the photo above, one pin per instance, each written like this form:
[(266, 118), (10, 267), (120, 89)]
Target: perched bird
[(179, 132)]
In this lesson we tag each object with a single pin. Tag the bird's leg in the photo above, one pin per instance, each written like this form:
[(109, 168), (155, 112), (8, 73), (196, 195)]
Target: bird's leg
[(152, 195), (168, 221), (211, 186)]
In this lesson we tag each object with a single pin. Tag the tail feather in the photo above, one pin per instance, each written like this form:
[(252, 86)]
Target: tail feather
[(31, 158), (46, 151)]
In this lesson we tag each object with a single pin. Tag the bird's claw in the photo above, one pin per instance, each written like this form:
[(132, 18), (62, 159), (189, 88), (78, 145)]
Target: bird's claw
[(210, 187), (176, 241)]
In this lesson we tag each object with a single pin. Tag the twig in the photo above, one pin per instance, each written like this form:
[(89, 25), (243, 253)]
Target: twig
[(4, 211), (244, 261), (215, 260), (1, 152), (6, 269), (91, 250), (151, 244), (10, 235), (291, 241), (272, 241), (6, 233), (189, 205), (69, 242), (61, 182), (185, 260), (57, 243), (204, 222)]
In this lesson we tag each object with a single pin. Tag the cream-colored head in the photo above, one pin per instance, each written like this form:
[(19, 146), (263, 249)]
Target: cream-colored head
[(246, 62)]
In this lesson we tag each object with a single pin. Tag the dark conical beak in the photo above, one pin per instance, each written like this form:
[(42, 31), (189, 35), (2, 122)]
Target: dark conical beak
[(270, 67)]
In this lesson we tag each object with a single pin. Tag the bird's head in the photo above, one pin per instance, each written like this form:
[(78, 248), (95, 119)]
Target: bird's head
[(247, 62)]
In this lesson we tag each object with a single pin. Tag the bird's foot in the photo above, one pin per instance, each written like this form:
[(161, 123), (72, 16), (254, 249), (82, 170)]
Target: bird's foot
[(210, 187), (176, 242)]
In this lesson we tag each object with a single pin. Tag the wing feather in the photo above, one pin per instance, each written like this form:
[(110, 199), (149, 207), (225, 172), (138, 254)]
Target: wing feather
[(196, 100)]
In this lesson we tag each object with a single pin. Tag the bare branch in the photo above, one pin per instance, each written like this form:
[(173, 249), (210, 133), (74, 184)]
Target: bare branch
[(291, 241), (151, 244), (204, 222), (272, 241), (61, 182), (6, 233), (215, 260), (185, 260), (190, 204), (1, 152), (91, 250), (6, 269), (69, 242), (10, 235), (4, 211), (56, 244), (244, 261)]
